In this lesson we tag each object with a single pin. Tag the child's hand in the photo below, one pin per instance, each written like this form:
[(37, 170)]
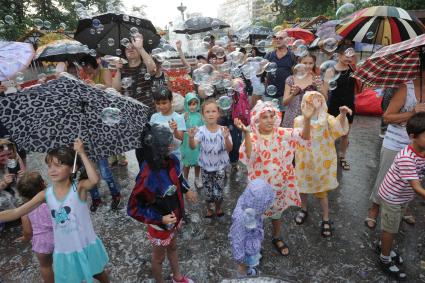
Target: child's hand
[(79, 146), (238, 123), (226, 132), (8, 178), (420, 107), (308, 110), (295, 90), (137, 41), (192, 132), (192, 196), (178, 44), (169, 219), (173, 125), (344, 110)]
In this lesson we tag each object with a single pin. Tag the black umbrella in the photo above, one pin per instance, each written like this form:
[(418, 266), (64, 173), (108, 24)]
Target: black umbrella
[(55, 113), (104, 33), (201, 24), (61, 51)]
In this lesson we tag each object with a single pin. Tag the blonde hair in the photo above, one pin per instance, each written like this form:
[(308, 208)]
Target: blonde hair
[(207, 102), (10, 145)]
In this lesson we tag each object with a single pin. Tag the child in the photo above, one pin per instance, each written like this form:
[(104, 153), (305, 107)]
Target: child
[(268, 153), (400, 184), (215, 144), (37, 226), (78, 254), (316, 167), (166, 116), (193, 119), (157, 198), (246, 232)]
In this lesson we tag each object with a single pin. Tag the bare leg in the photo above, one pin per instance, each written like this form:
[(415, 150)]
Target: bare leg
[(46, 269), (325, 207), (186, 170), (344, 144), (304, 198), (277, 228), (242, 269), (386, 243), (197, 171), (102, 277), (218, 208), (158, 256), (174, 260)]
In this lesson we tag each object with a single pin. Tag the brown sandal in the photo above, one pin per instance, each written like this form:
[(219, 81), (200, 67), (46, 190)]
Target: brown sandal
[(344, 163)]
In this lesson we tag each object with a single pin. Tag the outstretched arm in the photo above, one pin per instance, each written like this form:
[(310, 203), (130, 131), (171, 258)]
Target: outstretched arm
[(16, 213)]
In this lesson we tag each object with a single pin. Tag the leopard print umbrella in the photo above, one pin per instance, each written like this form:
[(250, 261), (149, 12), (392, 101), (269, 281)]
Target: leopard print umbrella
[(57, 112)]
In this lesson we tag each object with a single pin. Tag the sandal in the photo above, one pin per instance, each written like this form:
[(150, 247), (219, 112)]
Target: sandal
[(326, 231), (369, 220), (280, 246), (409, 219), (301, 217), (392, 269), (344, 163), (395, 256)]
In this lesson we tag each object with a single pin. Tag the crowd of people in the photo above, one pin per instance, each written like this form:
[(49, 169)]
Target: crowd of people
[(286, 139)]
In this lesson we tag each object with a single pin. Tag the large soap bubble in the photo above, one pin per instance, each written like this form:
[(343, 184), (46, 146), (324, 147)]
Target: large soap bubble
[(111, 116)]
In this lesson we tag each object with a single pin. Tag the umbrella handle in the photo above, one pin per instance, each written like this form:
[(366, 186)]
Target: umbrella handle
[(74, 168)]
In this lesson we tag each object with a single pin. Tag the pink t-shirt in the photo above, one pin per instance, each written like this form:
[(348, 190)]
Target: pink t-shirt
[(42, 229)]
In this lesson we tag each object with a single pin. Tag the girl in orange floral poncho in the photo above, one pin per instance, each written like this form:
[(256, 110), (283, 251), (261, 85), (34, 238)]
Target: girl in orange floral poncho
[(268, 152)]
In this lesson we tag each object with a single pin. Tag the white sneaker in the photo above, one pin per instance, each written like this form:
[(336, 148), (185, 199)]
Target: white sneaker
[(198, 183)]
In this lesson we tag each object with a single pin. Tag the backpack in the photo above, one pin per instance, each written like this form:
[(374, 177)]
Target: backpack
[(240, 107)]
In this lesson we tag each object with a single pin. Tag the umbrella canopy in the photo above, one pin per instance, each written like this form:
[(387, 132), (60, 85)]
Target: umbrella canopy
[(299, 33), (255, 31), (383, 25), (104, 33), (14, 57), (201, 24), (55, 113), (61, 51), (392, 65)]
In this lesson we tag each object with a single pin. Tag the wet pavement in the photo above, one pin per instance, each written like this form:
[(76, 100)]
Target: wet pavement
[(204, 252)]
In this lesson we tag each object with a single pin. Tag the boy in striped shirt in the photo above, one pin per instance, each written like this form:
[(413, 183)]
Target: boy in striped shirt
[(398, 188)]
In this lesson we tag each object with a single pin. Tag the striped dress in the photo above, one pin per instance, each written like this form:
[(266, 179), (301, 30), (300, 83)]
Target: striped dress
[(407, 166)]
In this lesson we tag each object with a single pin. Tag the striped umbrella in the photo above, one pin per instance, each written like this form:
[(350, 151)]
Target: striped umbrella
[(381, 25), (392, 65)]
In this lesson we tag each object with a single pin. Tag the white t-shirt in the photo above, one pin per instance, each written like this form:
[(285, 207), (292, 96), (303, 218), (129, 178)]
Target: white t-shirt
[(213, 155)]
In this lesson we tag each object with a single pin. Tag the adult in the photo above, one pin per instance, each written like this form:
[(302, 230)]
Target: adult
[(139, 63), (343, 95), (406, 101), (296, 87), (92, 73), (284, 60)]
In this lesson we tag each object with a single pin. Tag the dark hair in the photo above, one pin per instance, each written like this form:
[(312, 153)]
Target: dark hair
[(89, 60), (341, 49), (207, 102), (416, 124), (201, 57), (65, 155), (156, 140), (30, 184), (162, 93), (211, 55)]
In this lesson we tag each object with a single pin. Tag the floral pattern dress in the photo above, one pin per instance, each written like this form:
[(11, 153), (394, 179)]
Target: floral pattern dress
[(271, 160)]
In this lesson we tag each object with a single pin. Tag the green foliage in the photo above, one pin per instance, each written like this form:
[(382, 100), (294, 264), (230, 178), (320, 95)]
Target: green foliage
[(24, 12)]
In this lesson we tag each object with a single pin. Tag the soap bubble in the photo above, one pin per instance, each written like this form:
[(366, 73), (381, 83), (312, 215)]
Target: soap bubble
[(349, 52), (118, 52), (370, 35), (62, 26), (332, 85), (286, 2), (328, 71), (38, 23), (111, 116), (249, 218), (300, 71), (345, 10), (215, 25), (8, 19), (134, 31), (147, 77), (125, 42), (236, 58), (330, 44), (166, 65), (92, 31), (188, 36), (271, 67), (236, 72), (125, 18), (111, 41), (301, 51), (47, 24), (126, 82), (268, 2), (96, 23), (208, 89), (92, 52), (225, 102), (19, 77), (41, 77), (262, 45), (271, 90)]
